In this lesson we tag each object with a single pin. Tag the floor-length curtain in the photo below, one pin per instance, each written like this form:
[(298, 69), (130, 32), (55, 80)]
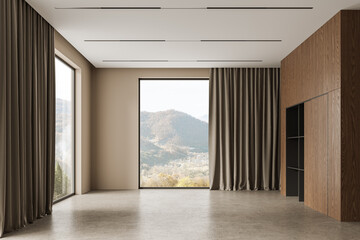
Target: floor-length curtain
[(244, 128), (27, 115)]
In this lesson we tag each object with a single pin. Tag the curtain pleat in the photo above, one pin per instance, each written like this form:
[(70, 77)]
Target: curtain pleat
[(27, 115), (244, 129)]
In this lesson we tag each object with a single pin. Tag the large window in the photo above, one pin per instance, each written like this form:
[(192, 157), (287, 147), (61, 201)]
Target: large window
[(64, 142), (174, 133)]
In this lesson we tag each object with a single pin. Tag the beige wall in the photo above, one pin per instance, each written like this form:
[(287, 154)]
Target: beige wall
[(84, 72), (115, 165), (107, 120)]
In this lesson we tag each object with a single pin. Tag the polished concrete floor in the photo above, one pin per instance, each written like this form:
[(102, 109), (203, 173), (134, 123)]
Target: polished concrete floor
[(185, 214)]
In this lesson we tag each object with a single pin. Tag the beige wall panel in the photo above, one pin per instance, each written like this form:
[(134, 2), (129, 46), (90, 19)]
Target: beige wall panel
[(116, 123)]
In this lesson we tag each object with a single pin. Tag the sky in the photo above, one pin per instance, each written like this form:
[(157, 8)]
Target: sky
[(64, 80), (189, 96)]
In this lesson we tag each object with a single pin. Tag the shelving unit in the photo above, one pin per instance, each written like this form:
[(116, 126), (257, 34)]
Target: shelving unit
[(295, 151)]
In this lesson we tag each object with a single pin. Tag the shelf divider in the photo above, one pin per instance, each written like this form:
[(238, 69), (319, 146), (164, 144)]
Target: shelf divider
[(295, 151), (295, 137)]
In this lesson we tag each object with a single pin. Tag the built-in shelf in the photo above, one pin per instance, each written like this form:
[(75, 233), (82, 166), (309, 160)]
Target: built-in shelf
[(295, 151), (295, 137), (296, 169)]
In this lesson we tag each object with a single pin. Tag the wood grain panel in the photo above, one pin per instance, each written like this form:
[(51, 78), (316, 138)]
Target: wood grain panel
[(328, 62), (350, 116), (310, 70), (314, 67), (283, 153), (283, 89), (334, 155), (332, 71), (315, 154)]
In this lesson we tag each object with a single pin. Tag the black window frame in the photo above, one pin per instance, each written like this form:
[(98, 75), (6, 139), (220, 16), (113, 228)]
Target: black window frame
[(139, 91), (74, 124)]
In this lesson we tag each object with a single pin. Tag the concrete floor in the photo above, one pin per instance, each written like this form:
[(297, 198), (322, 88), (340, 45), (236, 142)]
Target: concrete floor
[(185, 214)]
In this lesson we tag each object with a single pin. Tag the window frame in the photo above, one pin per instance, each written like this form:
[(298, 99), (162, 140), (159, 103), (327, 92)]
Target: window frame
[(74, 128), (139, 111)]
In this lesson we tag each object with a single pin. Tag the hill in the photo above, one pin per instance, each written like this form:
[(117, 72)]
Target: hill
[(170, 135)]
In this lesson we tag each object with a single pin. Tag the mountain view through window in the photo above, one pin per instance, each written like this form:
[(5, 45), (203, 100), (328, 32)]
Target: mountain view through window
[(174, 133), (64, 138)]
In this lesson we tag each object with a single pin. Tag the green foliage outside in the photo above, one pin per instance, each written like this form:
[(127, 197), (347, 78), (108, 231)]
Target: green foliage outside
[(165, 180), (197, 182), (62, 183)]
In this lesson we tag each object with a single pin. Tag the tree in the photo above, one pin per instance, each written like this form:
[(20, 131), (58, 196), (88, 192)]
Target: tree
[(58, 181), (62, 182)]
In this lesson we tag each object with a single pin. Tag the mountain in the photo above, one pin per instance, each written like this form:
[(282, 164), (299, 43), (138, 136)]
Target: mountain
[(170, 135), (204, 118), (63, 106), (64, 135), (64, 114), (174, 128)]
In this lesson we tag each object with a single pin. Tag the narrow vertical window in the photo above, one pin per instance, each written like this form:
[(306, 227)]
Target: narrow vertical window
[(65, 121), (174, 133)]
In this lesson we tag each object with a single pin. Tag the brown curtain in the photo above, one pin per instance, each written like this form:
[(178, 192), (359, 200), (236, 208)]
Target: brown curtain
[(27, 115), (244, 129)]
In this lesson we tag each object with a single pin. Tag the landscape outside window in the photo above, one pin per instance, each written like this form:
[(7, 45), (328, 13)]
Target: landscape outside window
[(64, 140), (174, 133)]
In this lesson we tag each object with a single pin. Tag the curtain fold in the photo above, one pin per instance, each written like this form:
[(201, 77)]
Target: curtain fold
[(244, 128), (27, 115)]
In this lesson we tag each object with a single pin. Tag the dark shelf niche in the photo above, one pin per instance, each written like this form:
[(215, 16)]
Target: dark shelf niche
[(297, 169), (296, 137), (295, 151)]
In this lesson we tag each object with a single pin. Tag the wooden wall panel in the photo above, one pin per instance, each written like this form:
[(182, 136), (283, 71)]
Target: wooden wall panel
[(314, 67), (315, 79), (283, 152), (334, 155), (350, 115), (332, 71), (327, 66), (310, 70), (283, 88), (315, 154)]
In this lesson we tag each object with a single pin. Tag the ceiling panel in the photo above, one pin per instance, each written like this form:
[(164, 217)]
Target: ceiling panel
[(183, 27)]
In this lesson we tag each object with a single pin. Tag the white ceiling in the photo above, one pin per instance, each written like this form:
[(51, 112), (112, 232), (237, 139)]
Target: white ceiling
[(290, 26)]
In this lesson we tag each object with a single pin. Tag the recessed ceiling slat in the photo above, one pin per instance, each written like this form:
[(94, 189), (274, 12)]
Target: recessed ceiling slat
[(203, 61), (108, 8), (241, 40), (259, 8), (124, 40), (183, 40), (252, 61), (111, 61), (185, 8)]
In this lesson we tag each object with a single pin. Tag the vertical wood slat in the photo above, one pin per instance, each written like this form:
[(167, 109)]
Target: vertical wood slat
[(350, 115), (315, 154), (334, 158)]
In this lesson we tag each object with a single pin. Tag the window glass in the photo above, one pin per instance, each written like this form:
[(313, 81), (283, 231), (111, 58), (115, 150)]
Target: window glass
[(174, 133), (64, 142)]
